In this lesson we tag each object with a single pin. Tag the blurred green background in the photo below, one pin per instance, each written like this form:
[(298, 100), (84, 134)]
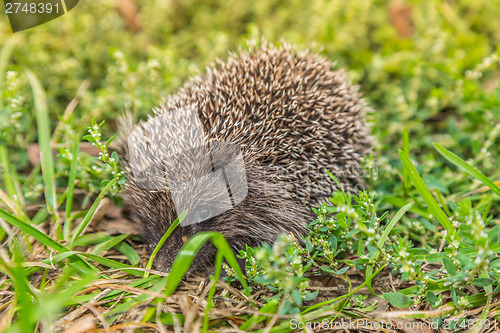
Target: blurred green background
[(431, 66)]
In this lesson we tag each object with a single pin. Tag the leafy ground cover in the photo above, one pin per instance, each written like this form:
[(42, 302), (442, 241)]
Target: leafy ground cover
[(420, 246)]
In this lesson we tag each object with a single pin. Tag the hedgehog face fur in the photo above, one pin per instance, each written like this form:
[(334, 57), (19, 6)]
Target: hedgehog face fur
[(289, 115)]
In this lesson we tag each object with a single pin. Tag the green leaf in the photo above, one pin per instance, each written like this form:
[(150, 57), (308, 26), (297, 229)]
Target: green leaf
[(428, 198), (482, 282), (449, 266), (453, 292), (328, 269), (309, 245), (342, 270), (332, 240), (494, 264), (51, 243), (114, 155), (466, 167), (398, 300), (53, 260), (310, 296), (296, 297), (262, 279), (431, 298)]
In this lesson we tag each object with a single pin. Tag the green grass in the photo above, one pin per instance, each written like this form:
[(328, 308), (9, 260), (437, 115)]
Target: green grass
[(424, 236)]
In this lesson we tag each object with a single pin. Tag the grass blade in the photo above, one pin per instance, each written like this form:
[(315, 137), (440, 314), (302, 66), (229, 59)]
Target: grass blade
[(466, 167), (32, 231), (43, 129), (22, 291), (383, 238), (112, 242), (392, 223), (142, 283), (100, 238), (428, 198), (71, 188), (186, 255), (406, 149), (129, 252), (123, 307), (174, 225), (211, 293), (105, 261), (91, 211)]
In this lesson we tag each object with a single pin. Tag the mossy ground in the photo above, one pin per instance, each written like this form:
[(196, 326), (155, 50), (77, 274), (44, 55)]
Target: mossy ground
[(420, 245)]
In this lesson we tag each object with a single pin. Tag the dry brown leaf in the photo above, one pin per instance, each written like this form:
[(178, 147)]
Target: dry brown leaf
[(34, 151), (118, 227), (129, 11), (84, 324), (100, 212), (400, 16)]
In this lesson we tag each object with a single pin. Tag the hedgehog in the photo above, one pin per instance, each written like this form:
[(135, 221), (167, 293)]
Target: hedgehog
[(270, 121)]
